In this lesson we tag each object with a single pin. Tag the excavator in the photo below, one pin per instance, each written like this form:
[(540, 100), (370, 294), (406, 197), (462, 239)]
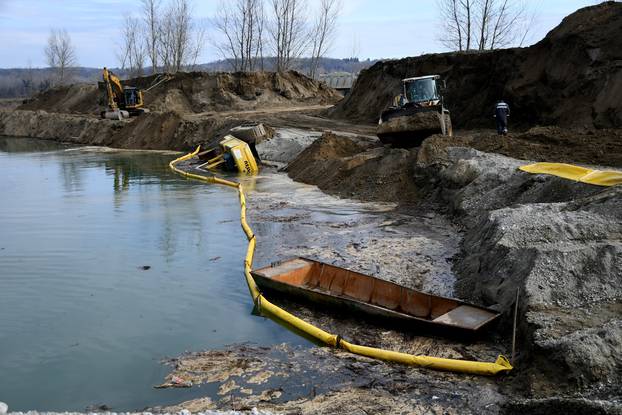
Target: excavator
[(417, 113), (234, 155), (122, 101)]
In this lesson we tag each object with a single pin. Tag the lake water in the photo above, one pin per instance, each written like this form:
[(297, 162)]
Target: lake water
[(82, 322)]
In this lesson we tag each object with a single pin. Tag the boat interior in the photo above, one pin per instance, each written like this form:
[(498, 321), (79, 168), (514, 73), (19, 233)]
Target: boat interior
[(338, 282)]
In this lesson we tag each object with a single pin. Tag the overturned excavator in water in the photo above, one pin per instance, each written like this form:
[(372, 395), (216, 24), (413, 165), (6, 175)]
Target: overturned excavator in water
[(417, 113)]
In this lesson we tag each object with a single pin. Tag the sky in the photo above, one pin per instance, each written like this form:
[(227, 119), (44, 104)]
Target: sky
[(367, 28)]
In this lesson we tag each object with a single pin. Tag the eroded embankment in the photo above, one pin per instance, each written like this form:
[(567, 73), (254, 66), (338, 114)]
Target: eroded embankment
[(153, 131), (357, 167), (558, 241)]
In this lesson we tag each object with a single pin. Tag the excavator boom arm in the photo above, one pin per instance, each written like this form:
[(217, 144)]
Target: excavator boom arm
[(114, 89)]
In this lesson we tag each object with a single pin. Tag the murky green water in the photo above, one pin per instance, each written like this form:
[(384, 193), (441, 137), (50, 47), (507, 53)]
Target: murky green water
[(81, 321)]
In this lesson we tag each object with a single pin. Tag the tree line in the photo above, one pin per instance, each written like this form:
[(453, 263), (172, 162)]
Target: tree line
[(274, 35), (246, 32), (282, 29)]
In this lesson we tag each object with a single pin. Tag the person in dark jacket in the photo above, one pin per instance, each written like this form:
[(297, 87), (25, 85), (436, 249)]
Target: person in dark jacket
[(502, 112)]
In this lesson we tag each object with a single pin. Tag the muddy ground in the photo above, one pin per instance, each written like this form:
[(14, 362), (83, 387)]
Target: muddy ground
[(164, 130), (324, 381), (10, 103), (194, 93)]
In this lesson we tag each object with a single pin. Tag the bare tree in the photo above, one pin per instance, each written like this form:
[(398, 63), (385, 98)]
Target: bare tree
[(60, 54), (457, 23), (483, 24), (180, 40), (288, 32), (241, 24), (323, 32), (506, 24), (151, 9), (133, 50)]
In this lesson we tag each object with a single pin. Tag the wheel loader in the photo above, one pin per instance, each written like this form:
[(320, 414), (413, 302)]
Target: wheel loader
[(417, 113)]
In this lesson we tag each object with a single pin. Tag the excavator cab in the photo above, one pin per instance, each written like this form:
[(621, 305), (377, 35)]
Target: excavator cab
[(133, 97), (417, 113)]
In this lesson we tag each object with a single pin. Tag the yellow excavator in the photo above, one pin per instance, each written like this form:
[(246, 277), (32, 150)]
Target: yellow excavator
[(233, 155), (122, 101)]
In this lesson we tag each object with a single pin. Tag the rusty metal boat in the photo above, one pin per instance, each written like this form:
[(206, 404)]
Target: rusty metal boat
[(325, 284)]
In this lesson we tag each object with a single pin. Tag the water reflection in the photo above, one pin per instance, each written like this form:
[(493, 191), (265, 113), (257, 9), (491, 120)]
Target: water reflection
[(81, 322)]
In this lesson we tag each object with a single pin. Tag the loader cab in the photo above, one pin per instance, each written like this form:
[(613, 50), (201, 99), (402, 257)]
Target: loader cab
[(424, 90)]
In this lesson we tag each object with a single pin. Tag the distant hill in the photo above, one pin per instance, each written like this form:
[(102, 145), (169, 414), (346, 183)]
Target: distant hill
[(25, 82)]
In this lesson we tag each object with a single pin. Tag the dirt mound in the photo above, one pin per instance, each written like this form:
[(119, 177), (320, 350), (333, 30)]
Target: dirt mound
[(553, 144), (572, 78), (356, 167), (196, 92), (72, 99)]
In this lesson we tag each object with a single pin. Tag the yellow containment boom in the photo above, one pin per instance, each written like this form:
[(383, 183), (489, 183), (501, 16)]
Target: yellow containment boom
[(576, 173), (501, 365)]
